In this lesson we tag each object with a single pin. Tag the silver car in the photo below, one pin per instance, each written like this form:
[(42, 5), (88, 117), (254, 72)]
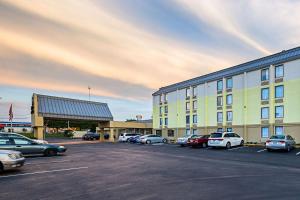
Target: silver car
[(182, 141), (10, 160), (284, 142), (148, 139)]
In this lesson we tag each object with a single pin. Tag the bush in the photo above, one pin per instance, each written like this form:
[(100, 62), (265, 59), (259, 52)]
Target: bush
[(68, 133), (29, 135)]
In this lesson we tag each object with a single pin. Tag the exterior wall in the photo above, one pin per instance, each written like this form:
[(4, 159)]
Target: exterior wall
[(246, 105)]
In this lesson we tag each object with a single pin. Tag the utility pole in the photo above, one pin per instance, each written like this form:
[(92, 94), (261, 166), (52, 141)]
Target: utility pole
[(89, 93)]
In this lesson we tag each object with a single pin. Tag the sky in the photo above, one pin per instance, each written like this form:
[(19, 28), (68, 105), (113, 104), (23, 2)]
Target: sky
[(127, 49)]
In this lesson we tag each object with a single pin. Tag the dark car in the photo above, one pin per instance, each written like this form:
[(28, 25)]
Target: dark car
[(198, 141), (135, 139), (91, 136), (27, 146)]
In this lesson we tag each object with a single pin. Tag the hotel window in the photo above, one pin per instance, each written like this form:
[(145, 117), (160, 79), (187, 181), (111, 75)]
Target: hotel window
[(195, 119), (265, 75), (160, 121), (170, 133), (187, 106), (195, 105), (279, 91), (264, 132), (279, 71), (229, 83), (187, 119), (279, 111), (187, 131), (188, 92), (219, 130), (229, 116), (219, 101), (219, 117), (265, 93), (166, 121), (220, 85), (161, 98), (265, 113), (166, 97), (166, 109), (229, 99), (195, 91), (195, 132), (278, 130), (229, 129), (160, 110)]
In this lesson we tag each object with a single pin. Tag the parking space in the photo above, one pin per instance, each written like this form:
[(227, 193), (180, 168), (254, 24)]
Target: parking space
[(164, 171)]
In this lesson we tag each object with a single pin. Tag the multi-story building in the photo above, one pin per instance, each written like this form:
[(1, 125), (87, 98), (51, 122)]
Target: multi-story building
[(255, 99)]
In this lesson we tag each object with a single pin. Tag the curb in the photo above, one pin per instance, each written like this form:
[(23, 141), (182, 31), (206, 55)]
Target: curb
[(81, 142)]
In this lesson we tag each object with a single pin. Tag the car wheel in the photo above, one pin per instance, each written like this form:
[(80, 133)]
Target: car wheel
[(127, 140), (228, 145), (242, 143), (204, 145), (1, 168), (269, 150), (164, 141), (50, 152), (288, 149), (148, 142)]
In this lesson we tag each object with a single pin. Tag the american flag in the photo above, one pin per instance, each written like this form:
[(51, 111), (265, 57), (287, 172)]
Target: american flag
[(11, 114)]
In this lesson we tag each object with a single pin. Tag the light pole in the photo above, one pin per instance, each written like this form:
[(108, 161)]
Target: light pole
[(89, 93)]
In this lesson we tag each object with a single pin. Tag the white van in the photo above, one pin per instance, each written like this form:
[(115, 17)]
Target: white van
[(225, 139), (124, 137)]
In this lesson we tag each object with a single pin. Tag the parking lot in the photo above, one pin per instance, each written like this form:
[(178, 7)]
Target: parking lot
[(161, 171)]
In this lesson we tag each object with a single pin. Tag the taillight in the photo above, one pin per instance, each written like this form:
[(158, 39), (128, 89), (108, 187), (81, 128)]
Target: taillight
[(268, 141), (282, 142)]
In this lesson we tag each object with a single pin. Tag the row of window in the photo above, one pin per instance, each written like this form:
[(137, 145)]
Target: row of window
[(188, 107), (187, 120), (279, 112), (279, 73), (265, 131), (229, 116), (279, 92)]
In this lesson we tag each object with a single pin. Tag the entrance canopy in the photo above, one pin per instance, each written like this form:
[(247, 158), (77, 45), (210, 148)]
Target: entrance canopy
[(72, 109)]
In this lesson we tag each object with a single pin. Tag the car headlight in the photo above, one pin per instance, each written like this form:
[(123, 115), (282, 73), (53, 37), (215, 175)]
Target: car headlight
[(61, 147), (13, 156)]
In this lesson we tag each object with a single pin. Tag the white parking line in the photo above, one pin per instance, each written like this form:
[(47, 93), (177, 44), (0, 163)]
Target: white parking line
[(39, 163), (236, 148), (44, 172), (297, 153), (262, 150)]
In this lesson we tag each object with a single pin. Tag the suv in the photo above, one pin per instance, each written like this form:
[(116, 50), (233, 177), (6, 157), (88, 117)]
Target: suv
[(124, 137), (225, 139)]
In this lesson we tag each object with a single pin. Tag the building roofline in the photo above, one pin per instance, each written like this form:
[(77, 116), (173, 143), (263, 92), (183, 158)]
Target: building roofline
[(277, 58)]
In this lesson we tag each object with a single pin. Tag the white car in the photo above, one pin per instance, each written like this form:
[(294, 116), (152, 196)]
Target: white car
[(225, 139), (10, 160), (124, 137)]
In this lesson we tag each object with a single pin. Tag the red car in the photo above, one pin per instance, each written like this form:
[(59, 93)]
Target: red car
[(200, 141)]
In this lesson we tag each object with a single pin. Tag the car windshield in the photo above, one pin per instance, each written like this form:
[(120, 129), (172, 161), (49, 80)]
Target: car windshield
[(279, 137), (216, 135)]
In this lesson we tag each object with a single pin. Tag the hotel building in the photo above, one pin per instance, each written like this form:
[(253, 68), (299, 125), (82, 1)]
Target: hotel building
[(255, 99)]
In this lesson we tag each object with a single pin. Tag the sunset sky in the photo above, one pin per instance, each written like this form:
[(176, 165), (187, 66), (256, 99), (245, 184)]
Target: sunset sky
[(127, 49)]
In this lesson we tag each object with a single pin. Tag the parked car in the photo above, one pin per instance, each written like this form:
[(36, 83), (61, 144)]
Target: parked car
[(198, 141), (284, 142), (27, 146), (225, 139), (16, 135), (148, 139), (10, 160), (124, 137), (135, 139), (182, 141), (91, 136)]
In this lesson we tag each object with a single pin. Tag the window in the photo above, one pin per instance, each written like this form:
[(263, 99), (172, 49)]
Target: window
[(170, 133), (187, 105), (279, 71), (220, 117), (166, 121), (160, 121), (194, 91), (220, 85), (279, 111), (229, 99), (229, 83), (166, 109), (188, 92), (187, 119), (265, 75), (264, 132), (5, 141), (265, 93), (279, 91), (195, 105), (219, 101), (187, 131), (166, 97), (265, 113), (21, 141), (161, 98), (160, 110), (278, 130), (229, 116), (229, 130), (220, 130), (195, 132), (195, 119), (158, 132)]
